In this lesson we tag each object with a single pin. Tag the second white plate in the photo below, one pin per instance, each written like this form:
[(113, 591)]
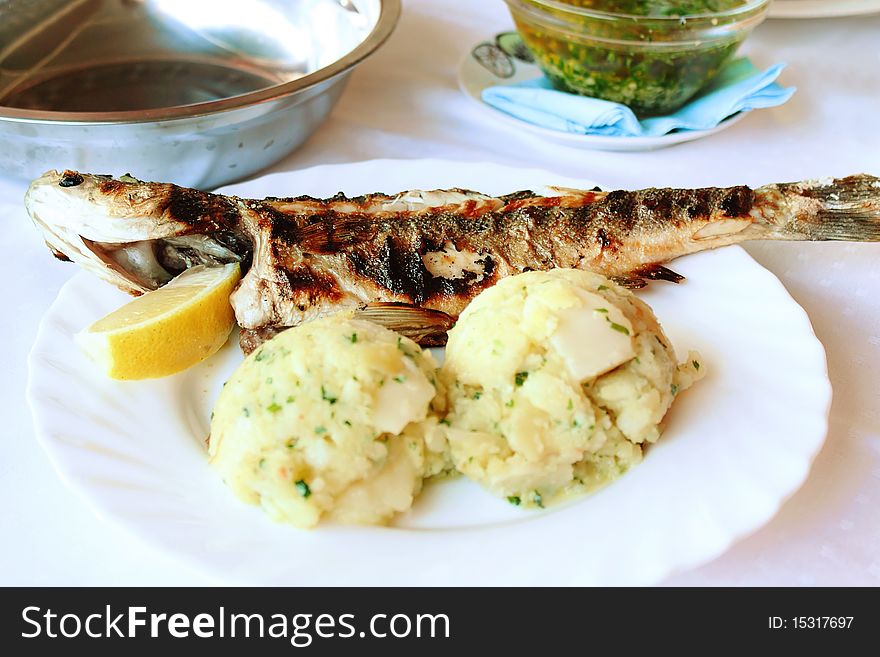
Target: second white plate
[(736, 445)]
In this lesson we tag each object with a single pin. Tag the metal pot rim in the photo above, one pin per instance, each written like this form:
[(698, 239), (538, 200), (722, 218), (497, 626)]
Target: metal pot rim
[(389, 13)]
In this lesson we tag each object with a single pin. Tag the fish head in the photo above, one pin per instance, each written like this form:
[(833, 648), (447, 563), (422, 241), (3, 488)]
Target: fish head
[(133, 234)]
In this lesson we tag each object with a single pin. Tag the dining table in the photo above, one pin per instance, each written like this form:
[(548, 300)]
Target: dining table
[(405, 103)]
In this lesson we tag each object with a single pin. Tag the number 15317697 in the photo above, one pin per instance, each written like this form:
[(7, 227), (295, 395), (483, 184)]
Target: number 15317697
[(810, 622)]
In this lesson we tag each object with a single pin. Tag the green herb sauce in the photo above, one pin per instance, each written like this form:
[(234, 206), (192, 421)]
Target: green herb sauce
[(657, 8), (625, 60)]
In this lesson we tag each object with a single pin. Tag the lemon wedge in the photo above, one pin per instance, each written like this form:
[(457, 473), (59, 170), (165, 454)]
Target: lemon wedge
[(167, 330)]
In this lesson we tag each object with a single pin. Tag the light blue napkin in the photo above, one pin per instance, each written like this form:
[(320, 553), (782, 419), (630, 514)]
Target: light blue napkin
[(738, 87)]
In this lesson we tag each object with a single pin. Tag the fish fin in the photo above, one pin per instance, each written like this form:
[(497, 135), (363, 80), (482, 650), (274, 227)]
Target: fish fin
[(637, 279), (331, 236), (425, 326), (250, 339), (658, 273), (517, 196), (58, 254), (842, 209), (630, 281)]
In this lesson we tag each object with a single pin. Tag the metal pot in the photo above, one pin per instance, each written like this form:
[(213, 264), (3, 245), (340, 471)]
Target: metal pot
[(197, 92)]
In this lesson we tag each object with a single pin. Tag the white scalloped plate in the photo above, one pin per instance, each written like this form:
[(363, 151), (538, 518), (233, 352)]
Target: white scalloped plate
[(736, 446)]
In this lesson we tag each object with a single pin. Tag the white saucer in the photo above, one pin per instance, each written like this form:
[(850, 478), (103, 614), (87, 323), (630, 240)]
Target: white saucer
[(822, 8), (487, 65)]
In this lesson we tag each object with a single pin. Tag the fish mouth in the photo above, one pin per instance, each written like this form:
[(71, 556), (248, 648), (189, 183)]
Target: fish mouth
[(150, 264)]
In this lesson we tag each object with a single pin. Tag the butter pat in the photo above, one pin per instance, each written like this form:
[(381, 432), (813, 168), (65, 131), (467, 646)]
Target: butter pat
[(593, 338)]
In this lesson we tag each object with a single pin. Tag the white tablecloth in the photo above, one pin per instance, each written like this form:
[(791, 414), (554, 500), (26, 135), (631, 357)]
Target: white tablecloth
[(405, 103)]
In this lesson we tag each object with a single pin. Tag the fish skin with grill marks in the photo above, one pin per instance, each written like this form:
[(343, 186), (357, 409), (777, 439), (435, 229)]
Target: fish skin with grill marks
[(414, 260)]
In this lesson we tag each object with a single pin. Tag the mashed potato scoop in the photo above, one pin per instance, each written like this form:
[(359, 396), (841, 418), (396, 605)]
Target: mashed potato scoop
[(335, 418), (556, 381)]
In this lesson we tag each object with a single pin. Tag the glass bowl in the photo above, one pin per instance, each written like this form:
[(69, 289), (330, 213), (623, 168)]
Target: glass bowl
[(650, 61)]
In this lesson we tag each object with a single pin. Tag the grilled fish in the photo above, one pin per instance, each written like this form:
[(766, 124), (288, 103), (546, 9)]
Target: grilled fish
[(413, 261)]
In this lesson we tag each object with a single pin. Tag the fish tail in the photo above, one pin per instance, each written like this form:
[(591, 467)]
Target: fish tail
[(839, 209)]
